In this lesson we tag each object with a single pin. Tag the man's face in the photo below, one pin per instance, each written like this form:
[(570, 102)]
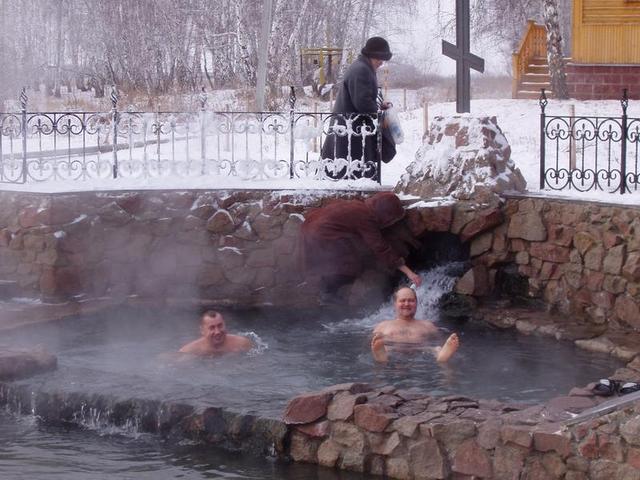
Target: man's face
[(406, 303), (213, 329)]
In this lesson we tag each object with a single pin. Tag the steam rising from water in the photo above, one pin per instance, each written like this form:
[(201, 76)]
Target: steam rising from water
[(435, 283)]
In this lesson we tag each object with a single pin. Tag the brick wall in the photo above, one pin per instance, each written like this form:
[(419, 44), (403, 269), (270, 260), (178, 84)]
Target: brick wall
[(592, 82)]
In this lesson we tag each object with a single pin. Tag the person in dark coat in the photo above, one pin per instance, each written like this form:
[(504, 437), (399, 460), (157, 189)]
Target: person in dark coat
[(339, 239), (359, 94)]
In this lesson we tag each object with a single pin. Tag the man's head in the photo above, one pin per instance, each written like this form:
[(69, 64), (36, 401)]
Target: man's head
[(405, 302), (377, 51), (212, 328)]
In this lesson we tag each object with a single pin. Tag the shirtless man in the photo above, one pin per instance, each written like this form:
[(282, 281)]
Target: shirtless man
[(215, 340), (405, 329)]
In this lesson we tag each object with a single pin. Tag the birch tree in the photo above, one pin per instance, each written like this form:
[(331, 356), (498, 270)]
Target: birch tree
[(554, 50)]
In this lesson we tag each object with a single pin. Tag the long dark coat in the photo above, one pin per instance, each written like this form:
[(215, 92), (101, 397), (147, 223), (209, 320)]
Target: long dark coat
[(358, 94), (338, 238)]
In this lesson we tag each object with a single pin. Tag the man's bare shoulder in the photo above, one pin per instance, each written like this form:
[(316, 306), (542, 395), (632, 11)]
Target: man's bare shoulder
[(382, 326), (196, 347), (239, 343)]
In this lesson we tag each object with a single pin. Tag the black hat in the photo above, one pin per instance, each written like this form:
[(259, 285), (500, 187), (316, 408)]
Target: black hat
[(377, 47)]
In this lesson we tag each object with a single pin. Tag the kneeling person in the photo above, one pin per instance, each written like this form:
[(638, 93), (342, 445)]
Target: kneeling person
[(406, 330), (214, 338)]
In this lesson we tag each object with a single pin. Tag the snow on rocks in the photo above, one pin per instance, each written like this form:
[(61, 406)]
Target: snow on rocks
[(464, 157)]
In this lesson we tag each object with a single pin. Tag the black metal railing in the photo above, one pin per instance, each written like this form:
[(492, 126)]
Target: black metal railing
[(62, 146), (589, 153)]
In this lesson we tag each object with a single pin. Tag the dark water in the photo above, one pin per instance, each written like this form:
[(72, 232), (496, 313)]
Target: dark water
[(30, 451)]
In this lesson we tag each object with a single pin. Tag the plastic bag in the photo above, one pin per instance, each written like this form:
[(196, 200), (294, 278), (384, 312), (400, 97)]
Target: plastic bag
[(393, 124)]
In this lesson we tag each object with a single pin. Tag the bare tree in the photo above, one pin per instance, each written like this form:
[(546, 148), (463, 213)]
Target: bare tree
[(165, 46)]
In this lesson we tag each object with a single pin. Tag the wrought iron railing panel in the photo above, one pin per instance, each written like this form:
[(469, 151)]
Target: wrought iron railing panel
[(589, 153), (77, 146)]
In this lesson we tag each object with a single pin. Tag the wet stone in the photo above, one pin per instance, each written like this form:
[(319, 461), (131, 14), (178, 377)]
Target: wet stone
[(342, 405), (427, 460), (411, 408), (373, 418), (516, 435), (307, 408), (387, 400), (316, 430), (16, 364), (471, 459)]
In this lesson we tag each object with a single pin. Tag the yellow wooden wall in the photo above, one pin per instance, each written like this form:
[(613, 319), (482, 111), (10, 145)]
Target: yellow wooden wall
[(606, 31)]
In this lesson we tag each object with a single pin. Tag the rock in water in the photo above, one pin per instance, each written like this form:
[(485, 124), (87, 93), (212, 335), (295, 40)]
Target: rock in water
[(463, 157), (16, 364)]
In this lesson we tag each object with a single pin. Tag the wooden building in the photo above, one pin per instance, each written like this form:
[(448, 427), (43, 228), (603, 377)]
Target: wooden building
[(605, 52)]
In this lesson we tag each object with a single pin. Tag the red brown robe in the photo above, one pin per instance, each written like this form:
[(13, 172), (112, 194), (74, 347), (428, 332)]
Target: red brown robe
[(337, 238)]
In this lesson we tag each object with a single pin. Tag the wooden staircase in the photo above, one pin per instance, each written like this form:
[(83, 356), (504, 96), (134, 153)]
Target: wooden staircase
[(536, 76), (530, 67)]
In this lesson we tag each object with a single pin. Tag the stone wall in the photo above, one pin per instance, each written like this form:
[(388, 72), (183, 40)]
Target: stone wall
[(236, 247), (582, 259), (406, 434)]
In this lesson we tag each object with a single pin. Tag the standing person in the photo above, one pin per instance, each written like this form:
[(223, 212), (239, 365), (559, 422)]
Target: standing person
[(359, 94), (339, 239), (405, 332), (214, 339)]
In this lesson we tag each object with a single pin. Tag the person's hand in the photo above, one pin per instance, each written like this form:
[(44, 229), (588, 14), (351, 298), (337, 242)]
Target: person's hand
[(415, 279), (386, 105)]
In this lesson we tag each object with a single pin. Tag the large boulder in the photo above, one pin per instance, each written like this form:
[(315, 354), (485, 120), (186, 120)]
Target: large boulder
[(463, 157)]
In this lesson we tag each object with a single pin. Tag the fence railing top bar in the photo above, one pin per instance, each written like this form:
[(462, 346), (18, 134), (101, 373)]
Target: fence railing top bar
[(551, 117), (182, 112)]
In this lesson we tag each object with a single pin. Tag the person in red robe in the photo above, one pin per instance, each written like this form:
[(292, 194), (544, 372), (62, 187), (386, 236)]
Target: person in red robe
[(339, 239)]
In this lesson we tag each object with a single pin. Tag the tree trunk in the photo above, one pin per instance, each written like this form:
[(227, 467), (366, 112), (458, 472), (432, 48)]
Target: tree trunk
[(554, 49)]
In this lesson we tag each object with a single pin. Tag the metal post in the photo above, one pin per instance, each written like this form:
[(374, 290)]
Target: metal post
[(572, 138), (114, 116), (543, 103), (203, 138), (23, 131), (379, 142), (623, 140), (292, 122)]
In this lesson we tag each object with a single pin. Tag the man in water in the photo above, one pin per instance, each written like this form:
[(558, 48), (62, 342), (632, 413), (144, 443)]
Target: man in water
[(214, 338), (408, 331)]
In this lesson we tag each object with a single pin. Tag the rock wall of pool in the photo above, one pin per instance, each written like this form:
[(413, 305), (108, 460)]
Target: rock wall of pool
[(515, 403)]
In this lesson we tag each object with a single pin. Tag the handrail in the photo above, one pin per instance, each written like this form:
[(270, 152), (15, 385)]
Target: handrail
[(533, 44)]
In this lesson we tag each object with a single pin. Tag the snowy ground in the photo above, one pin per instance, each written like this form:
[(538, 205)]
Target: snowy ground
[(519, 120)]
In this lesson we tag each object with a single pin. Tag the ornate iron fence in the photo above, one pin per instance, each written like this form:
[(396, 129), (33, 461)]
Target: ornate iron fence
[(58, 146), (589, 153)]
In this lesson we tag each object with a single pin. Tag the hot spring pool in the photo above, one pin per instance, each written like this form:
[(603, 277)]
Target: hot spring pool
[(130, 353), (124, 353)]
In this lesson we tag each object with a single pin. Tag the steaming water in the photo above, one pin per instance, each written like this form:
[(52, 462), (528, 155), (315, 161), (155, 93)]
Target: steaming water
[(31, 451), (128, 353)]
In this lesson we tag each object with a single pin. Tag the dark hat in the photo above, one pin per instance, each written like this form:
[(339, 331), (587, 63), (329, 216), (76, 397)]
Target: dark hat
[(387, 208), (377, 47)]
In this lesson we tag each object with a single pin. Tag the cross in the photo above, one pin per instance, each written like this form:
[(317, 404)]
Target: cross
[(463, 57)]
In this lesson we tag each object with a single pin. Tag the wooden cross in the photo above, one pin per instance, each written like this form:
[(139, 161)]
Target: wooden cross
[(465, 60)]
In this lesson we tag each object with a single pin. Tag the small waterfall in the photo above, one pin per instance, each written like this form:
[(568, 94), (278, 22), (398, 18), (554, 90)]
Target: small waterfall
[(436, 282)]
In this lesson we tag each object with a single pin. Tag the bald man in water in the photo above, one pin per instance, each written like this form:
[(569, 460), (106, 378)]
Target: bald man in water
[(406, 331), (214, 338)]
